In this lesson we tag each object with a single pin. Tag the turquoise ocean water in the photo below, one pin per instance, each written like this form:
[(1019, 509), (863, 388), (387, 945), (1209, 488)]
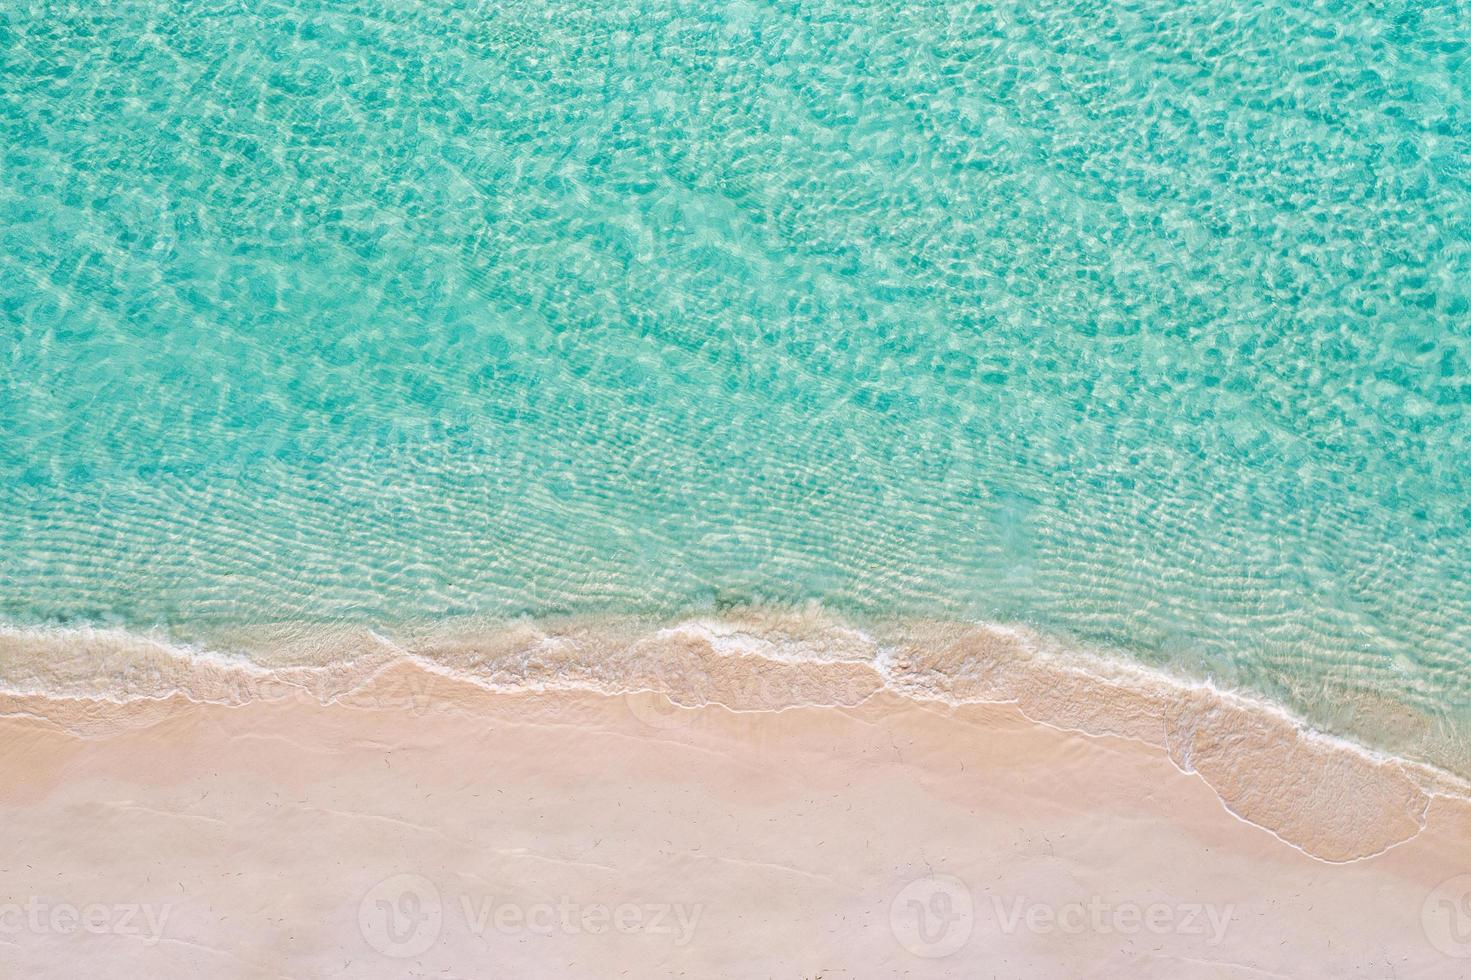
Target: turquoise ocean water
[(1145, 323)]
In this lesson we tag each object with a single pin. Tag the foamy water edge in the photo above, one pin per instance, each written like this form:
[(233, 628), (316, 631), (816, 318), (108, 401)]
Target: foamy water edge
[(1330, 796)]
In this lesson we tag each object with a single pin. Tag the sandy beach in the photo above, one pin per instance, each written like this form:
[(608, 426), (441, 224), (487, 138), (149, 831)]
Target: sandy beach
[(430, 828), (735, 491)]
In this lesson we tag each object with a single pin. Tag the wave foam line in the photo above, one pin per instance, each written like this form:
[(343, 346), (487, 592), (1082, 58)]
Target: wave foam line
[(1333, 798)]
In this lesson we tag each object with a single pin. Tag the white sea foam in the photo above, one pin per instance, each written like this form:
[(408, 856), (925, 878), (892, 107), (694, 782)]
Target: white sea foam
[(1329, 794)]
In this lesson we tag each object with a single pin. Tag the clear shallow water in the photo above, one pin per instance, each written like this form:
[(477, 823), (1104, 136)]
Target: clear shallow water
[(1148, 324)]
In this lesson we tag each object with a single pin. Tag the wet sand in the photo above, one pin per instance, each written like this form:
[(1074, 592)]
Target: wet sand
[(429, 827)]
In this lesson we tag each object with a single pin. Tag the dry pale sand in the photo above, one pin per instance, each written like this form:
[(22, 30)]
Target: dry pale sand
[(444, 831)]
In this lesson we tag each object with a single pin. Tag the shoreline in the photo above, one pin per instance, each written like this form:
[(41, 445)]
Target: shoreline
[(435, 828), (1335, 799)]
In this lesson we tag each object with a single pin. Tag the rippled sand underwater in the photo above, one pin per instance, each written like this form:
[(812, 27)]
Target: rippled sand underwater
[(1143, 325)]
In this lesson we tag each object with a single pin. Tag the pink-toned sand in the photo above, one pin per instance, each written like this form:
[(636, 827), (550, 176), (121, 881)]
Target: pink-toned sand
[(439, 830)]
